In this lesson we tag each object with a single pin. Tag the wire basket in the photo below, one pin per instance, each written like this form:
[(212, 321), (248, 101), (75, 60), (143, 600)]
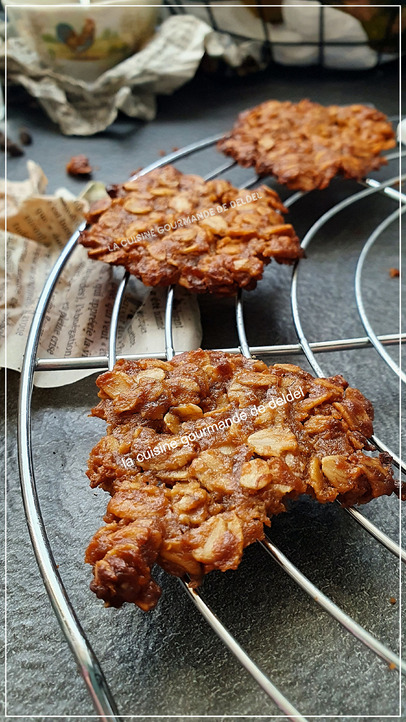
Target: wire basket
[(321, 44)]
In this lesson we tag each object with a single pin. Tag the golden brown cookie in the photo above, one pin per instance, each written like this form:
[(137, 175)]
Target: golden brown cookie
[(202, 450), (167, 228), (304, 145)]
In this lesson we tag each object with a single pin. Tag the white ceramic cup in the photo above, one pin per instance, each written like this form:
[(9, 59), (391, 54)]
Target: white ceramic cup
[(85, 39)]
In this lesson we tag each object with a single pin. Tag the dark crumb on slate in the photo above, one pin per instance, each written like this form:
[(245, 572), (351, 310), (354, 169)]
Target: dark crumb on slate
[(79, 166), (25, 136), (13, 149)]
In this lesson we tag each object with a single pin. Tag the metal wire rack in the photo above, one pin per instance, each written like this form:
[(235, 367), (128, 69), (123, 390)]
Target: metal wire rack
[(211, 11), (88, 664)]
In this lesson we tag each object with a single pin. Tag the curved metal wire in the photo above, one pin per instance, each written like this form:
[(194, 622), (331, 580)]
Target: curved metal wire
[(80, 646), (358, 293), (388, 191), (220, 169), (295, 305), (169, 347), (181, 153), (396, 549), (377, 533), (305, 243), (269, 688), (317, 595), (86, 659), (329, 606), (241, 333)]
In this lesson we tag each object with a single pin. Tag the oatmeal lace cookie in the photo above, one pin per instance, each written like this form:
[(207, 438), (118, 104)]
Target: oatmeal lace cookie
[(202, 450), (170, 228), (304, 145)]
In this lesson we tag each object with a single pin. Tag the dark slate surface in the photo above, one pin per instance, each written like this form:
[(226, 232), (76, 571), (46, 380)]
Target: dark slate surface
[(168, 662)]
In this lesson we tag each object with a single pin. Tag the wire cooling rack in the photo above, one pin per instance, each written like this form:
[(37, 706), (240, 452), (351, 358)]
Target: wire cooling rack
[(88, 664)]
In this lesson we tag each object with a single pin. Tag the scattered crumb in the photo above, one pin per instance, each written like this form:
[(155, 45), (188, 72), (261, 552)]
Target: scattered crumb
[(13, 149), (392, 600), (79, 165), (175, 148), (392, 665), (394, 272), (162, 153), (25, 136)]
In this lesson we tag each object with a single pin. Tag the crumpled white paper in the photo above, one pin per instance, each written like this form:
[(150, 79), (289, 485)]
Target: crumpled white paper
[(304, 25), (168, 61), (289, 39)]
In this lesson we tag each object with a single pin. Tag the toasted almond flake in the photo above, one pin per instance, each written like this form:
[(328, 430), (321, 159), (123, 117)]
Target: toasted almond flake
[(172, 422), (188, 411), (272, 441), (241, 264), (116, 383), (151, 373), (136, 205), (336, 468), (255, 474)]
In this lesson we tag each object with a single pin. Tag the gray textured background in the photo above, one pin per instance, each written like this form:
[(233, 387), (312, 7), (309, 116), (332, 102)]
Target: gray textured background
[(168, 662)]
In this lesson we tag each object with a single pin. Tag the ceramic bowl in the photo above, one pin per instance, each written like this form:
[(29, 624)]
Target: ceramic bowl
[(84, 40)]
